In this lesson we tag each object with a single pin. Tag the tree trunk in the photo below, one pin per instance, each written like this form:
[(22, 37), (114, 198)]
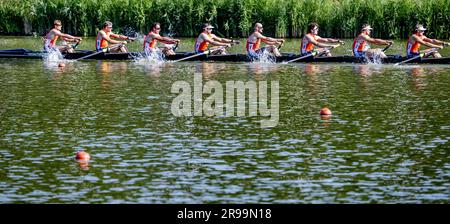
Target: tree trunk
[(27, 27)]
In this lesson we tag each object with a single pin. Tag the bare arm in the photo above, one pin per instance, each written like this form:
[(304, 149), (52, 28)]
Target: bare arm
[(435, 41), (166, 40), (428, 42), (269, 40), (316, 42), (104, 36), (212, 41), (377, 41), (329, 40), (223, 40), (113, 35), (66, 37)]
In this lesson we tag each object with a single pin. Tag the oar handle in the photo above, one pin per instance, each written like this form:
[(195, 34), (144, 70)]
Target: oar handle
[(327, 49), (314, 53), (205, 52), (99, 52), (281, 45), (387, 47), (176, 46), (418, 56), (76, 45)]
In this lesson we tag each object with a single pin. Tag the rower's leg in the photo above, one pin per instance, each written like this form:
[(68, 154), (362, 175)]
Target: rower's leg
[(123, 49), (114, 49), (168, 51), (218, 52), (374, 53), (436, 55), (65, 49), (323, 52), (69, 49), (274, 50)]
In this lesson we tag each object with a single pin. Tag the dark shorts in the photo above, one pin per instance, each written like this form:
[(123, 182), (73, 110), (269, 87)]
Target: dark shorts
[(359, 54)]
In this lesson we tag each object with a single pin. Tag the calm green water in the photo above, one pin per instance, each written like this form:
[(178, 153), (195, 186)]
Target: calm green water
[(387, 141)]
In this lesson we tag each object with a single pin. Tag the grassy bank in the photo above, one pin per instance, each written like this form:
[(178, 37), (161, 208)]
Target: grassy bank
[(234, 18)]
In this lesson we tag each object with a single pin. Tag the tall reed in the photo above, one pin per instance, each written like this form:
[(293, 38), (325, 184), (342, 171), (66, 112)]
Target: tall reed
[(235, 18)]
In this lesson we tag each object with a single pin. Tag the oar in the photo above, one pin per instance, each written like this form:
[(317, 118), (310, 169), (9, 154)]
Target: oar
[(175, 47), (416, 57), (313, 54), (200, 54), (76, 45), (281, 45), (387, 47), (99, 52)]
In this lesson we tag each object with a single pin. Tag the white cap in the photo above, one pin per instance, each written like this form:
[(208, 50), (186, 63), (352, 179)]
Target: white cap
[(207, 26), (366, 27), (420, 27)]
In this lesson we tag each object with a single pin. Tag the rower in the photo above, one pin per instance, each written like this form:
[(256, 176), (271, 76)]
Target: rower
[(312, 39), (104, 37), (52, 36), (153, 37), (206, 38), (418, 38), (361, 47), (255, 39)]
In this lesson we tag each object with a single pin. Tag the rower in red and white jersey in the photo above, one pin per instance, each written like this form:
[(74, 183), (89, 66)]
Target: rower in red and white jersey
[(253, 47), (312, 39), (207, 37), (418, 38), (54, 34), (151, 40), (104, 39), (361, 47)]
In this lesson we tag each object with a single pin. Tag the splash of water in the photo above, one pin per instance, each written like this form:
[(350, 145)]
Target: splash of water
[(265, 57), (170, 29), (376, 59), (153, 57), (53, 57), (129, 31)]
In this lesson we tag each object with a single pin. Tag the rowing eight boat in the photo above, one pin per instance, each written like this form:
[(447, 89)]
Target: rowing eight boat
[(25, 53)]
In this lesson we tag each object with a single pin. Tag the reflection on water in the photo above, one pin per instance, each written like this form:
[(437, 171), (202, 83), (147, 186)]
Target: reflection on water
[(387, 140)]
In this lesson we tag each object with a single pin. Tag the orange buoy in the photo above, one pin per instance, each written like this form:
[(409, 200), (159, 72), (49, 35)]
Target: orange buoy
[(61, 65), (325, 117), (325, 111), (83, 156)]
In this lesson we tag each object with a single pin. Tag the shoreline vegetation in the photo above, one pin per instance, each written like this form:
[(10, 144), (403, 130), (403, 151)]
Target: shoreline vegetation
[(393, 19)]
